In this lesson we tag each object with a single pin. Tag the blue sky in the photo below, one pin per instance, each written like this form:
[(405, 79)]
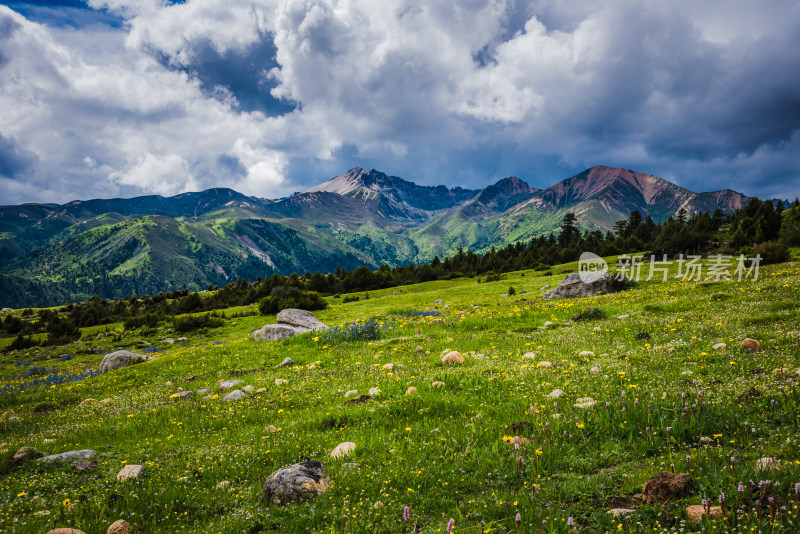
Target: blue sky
[(124, 97)]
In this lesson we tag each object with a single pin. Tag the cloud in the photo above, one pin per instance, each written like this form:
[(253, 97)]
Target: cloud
[(271, 96)]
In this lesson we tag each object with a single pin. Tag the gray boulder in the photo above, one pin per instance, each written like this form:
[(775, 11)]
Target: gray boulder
[(27, 453), (287, 362), (296, 482), (276, 332), (230, 384), (120, 359), (83, 454), (236, 394), (573, 286), (300, 318)]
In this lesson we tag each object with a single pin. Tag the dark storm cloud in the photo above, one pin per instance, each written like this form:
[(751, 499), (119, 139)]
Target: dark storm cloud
[(14, 160)]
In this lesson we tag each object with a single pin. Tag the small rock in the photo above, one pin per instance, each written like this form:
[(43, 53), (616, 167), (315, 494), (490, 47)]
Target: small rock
[(623, 316), (548, 323), (230, 384), (223, 484), (183, 394), (378, 505), (439, 301), (300, 319), (343, 449), (351, 393), (766, 463), (261, 390), (83, 454), (529, 355), (665, 486), (545, 364), (120, 359), (438, 384), (599, 329), (63, 530), (26, 454), (296, 482), (83, 465), (84, 402), (719, 346), (203, 391), (374, 392), (584, 402), (556, 393), (411, 390), (518, 440), (751, 344), (236, 394), (130, 471), (120, 527), (208, 397), (280, 381), (269, 429), (286, 362), (169, 341), (249, 389), (106, 401), (585, 353), (388, 366), (621, 512), (596, 369), (697, 511), (453, 357)]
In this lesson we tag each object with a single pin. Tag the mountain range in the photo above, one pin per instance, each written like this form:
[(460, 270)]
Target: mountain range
[(117, 247)]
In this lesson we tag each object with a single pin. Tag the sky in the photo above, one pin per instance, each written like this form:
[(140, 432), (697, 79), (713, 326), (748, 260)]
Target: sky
[(118, 98)]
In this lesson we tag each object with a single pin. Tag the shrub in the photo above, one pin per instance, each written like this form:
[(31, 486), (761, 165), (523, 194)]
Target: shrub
[(511, 291), (185, 323), (149, 320), (350, 298), (21, 343), (281, 298), (589, 314)]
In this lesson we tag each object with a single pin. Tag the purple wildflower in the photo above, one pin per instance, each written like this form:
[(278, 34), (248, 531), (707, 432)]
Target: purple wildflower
[(406, 515), (450, 525)]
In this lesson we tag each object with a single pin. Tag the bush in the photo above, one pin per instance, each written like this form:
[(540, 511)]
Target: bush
[(21, 343), (589, 314), (185, 323), (350, 298), (511, 291), (149, 320), (281, 298), (772, 252)]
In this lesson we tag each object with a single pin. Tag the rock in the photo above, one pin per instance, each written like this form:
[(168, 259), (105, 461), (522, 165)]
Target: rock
[(452, 357), (83, 454), (106, 401), (230, 384), (624, 316), (223, 484), (719, 346), (438, 384), (377, 506), (556, 393), (120, 359), (63, 530), (249, 389), (120, 527), (548, 323), (276, 332), (388, 366), (545, 364), (182, 394), (203, 391), (351, 393), (374, 392), (518, 440), (665, 486), (281, 381), (621, 512), (83, 465), (130, 471), (584, 402), (236, 394), (411, 390), (296, 482), (544, 287), (596, 369), (697, 511), (600, 329), (343, 449), (269, 429), (751, 344), (573, 286), (84, 402), (26, 454), (286, 362), (169, 341), (208, 397), (261, 390), (300, 318), (586, 353), (767, 463), (439, 301)]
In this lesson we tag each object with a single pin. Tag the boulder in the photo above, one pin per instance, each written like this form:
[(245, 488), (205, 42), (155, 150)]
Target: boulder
[(343, 449), (452, 357), (130, 471), (665, 486), (236, 394), (351, 393), (296, 482), (582, 285), (276, 332), (249, 389), (120, 359), (374, 392), (26, 454), (286, 362), (719, 346), (83, 454), (300, 318), (120, 527), (230, 384), (751, 344)]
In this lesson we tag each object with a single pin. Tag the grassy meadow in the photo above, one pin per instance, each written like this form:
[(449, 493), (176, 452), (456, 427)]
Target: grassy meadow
[(666, 401)]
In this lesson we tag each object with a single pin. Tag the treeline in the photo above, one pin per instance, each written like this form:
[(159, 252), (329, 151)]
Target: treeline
[(760, 227)]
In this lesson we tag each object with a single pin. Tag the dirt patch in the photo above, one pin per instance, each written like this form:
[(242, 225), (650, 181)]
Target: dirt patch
[(520, 425), (335, 423), (359, 400), (749, 394), (665, 486)]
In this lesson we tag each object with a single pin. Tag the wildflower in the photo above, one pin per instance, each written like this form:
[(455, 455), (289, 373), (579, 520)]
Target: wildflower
[(450, 525), (518, 520), (579, 425), (406, 515), (570, 522), (740, 489)]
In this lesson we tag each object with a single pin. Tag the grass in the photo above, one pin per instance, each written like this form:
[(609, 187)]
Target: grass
[(443, 452)]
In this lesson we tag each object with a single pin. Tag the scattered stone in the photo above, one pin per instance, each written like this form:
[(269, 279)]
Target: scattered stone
[(106, 401), (130, 471), (374, 392), (596, 369), (665, 486), (26, 454), (439, 301), (286, 362), (269, 429), (169, 341), (120, 359), (518, 440), (582, 285), (529, 355), (249, 389), (343, 449), (296, 482), (548, 324), (545, 364), (83, 454), (621, 512), (378, 505), (351, 393), (751, 344), (388, 366), (766, 463), (63, 530), (623, 316), (182, 394), (203, 391), (719, 346), (223, 484), (236, 394), (438, 384), (82, 465), (556, 393), (584, 402), (261, 390), (697, 511), (453, 357), (208, 397), (276, 332), (120, 527), (84, 402), (598, 329), (280, 381), (230, 384), (586, 353)]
